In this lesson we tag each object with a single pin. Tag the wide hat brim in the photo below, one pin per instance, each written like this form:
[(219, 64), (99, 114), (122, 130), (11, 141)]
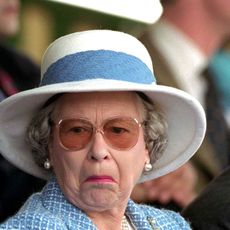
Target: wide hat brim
[(184, 115)]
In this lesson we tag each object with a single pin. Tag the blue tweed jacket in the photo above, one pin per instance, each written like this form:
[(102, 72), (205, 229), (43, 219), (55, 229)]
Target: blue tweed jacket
[(49, 210)]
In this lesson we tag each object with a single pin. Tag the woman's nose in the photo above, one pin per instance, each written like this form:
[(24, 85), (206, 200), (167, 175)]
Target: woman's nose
[(98, 150)]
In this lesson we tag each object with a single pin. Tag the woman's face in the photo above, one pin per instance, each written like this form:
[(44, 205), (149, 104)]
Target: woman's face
[(98, 177)]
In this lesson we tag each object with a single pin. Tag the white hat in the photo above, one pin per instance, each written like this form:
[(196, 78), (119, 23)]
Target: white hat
[(101, 60)]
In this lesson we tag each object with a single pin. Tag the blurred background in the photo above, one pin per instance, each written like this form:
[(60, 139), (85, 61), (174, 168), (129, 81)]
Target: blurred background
[(176, 32), (42, 21)]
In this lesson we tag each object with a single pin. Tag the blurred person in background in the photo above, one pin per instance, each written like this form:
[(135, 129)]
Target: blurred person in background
[(220, 67), (210, 210), (181, 44), (17, 72)]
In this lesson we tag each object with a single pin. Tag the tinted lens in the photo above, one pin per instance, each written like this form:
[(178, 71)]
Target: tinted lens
[(121, 133), (75, 134)]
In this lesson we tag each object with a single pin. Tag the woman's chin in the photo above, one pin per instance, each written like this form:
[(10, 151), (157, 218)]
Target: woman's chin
[(100, 199)]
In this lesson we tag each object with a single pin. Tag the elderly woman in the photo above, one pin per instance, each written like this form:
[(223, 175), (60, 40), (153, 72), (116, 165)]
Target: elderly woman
[(97, 125)]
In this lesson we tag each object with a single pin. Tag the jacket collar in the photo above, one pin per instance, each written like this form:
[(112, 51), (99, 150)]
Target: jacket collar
[(54, 200)]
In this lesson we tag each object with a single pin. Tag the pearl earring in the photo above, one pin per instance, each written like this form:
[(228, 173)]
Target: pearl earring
[(47, 164), (148, 167)]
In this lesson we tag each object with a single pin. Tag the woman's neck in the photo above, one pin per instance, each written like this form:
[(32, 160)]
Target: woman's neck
[(108, 219)]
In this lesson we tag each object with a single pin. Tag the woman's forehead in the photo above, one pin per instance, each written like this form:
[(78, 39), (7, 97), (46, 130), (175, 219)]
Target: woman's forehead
[(119, 103), (97, 98)]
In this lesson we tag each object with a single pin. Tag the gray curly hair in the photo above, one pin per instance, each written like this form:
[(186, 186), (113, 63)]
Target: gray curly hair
[(39, 130)]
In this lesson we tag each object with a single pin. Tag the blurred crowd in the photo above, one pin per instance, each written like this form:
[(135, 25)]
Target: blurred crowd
[(17, 73)]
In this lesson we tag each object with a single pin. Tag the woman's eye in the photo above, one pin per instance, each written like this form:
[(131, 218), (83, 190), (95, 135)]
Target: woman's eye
[(79, 129), (118, 130), (76, 129)]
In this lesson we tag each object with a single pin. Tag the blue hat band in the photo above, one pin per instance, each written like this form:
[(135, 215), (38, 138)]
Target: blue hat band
[(95, 64)]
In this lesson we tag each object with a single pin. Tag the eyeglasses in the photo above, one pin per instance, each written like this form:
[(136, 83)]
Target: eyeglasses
[(121, 133)]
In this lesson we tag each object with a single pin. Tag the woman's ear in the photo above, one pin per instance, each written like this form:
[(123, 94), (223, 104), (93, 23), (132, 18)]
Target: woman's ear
[(147, 157), (50, 151)]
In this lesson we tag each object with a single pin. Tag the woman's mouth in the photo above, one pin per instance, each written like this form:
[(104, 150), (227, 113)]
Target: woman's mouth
[(100, 179)]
